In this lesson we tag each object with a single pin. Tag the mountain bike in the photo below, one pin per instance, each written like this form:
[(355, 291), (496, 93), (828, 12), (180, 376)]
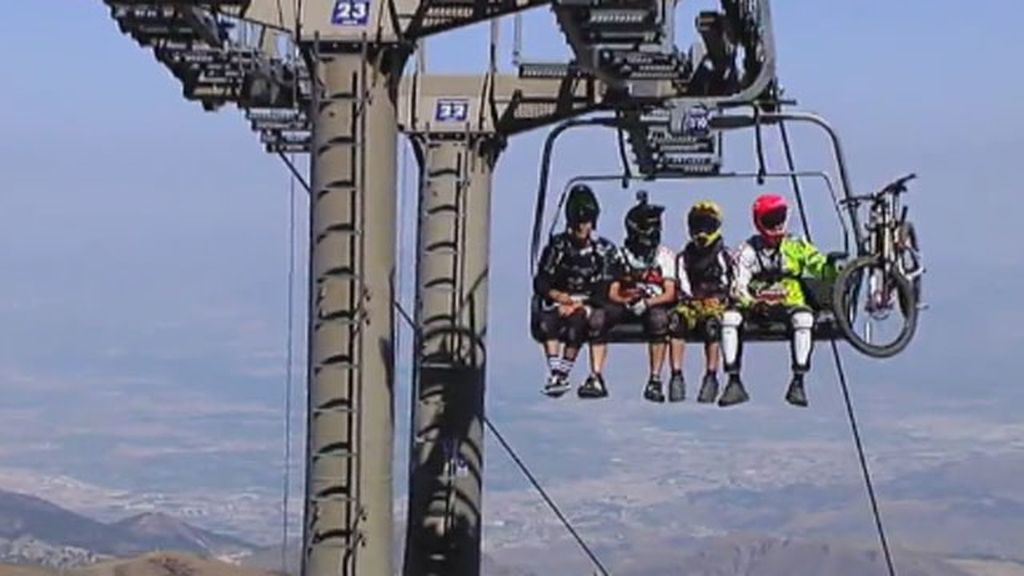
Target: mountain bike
[(884, 282)]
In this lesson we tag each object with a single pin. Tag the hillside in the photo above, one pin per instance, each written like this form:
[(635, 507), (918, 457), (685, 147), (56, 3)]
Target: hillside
[(736, 555), (166, 564), (34, 531), (783, 557), (27, 518), (154, 564), (161, 531)]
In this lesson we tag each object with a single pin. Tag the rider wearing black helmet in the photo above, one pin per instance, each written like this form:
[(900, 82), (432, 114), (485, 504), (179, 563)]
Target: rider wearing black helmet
[(646, 286), (571, 285)]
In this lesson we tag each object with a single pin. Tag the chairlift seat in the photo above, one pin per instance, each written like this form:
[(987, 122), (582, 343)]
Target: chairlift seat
[(825, 328), (631, 330)]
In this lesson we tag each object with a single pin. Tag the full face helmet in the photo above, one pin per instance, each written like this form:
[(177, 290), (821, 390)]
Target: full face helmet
[(704, 222), (581, 206), (643, 226), (770, 216)]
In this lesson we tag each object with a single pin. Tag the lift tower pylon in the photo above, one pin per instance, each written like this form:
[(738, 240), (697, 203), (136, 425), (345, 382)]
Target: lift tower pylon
[(352, 255), (459, 126), (446, 485)]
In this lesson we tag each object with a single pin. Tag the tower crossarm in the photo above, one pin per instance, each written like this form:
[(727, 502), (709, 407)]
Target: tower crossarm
[(501, 104)]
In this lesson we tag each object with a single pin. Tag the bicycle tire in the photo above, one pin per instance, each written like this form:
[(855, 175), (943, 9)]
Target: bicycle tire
[(908, 235), (841, 308)]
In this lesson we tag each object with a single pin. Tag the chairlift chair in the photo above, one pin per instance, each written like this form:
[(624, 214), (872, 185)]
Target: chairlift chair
[(719, 120)]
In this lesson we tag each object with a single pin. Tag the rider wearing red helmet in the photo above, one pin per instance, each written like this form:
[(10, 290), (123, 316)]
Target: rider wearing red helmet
[(770, 270)]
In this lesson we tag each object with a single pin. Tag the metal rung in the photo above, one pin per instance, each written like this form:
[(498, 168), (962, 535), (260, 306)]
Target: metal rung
[(339, 410), (343, 229), (337, 364), (343, 454), (342, 318), (331, 545), (335, 498)]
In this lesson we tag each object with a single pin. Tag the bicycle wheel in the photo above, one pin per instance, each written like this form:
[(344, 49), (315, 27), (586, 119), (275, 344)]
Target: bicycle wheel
[(908, 251), (865, 298)]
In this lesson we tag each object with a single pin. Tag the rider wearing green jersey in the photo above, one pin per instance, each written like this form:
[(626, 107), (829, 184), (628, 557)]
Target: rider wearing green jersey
[(771, 270)]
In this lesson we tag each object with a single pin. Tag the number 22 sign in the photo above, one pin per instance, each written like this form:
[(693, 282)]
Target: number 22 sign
[(350, 12)]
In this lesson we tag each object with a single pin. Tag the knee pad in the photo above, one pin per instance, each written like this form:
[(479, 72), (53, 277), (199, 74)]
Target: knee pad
[(544, 327), (803, 343), (712, 329), (732, 319), (802, 320), (576, 329), (676, 325), (656, 322), (732, 343)]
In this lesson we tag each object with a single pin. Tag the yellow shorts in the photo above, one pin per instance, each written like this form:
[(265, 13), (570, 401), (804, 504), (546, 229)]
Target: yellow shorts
[(696, 312)]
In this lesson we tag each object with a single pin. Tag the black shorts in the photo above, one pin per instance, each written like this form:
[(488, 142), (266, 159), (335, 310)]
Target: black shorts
[(583, 325)]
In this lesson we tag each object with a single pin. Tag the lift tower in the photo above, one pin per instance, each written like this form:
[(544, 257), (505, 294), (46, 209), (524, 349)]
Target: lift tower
[(355, 51), (459, 125), (339, 103)]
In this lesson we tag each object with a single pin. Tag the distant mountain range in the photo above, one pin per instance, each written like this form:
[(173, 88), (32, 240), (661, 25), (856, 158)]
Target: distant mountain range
[(35, 531)]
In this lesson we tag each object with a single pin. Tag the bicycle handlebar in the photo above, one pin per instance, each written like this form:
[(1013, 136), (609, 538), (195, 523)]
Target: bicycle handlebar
[(897, 186)]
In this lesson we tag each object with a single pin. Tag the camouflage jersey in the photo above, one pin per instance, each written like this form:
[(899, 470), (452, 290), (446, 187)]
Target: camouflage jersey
[(582, 270)]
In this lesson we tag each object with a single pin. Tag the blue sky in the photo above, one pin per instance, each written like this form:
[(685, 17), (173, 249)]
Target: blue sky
[(142, 239)]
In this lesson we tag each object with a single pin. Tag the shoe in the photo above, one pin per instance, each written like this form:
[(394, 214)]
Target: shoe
[(676, 388), (796, 394), (708, 388), (592, 387), (734, 392), (556, 385), (653, 391)]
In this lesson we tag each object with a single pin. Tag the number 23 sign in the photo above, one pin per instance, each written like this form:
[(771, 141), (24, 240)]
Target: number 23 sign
[(350, 12)]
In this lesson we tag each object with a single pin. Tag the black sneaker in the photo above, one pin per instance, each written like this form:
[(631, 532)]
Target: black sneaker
[(734, 392), (556, 385), (676, 388), (796, 394), (592, 387), (708, 388), (653, 391)]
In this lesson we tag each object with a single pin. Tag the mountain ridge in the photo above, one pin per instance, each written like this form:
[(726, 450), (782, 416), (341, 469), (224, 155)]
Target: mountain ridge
[(33, 530)]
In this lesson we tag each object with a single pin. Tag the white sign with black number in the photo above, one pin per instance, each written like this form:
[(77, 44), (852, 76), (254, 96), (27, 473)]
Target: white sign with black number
[(451, 110)]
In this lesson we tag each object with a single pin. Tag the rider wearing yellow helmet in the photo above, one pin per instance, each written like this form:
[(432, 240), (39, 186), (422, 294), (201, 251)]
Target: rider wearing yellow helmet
[(705, 275)]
